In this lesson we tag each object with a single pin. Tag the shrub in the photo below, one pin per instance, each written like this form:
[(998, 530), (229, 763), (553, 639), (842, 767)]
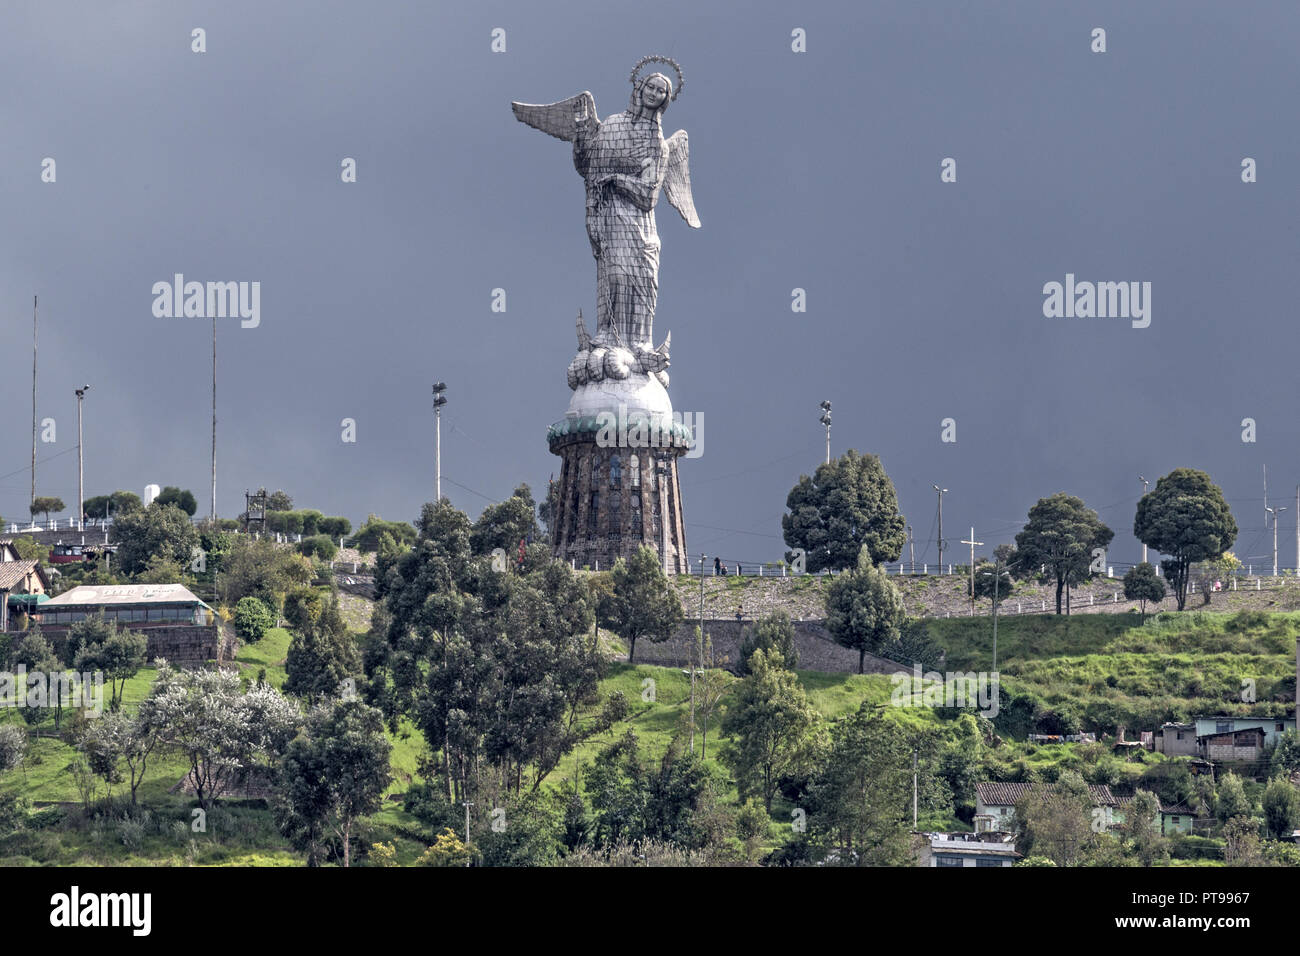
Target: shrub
[(318, 546), (252, 619)]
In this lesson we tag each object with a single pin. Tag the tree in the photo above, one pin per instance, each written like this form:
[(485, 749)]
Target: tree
[(279, 501), (257, 568), (1281, 808), (202, 716), (318, 546), (334, 528), (547, 511), (332, 774), (1206, 574), (115, 738), (861, 794), (863, 608), (504, 525), (992, 581), (183, 499), (367, 536), (1231, 800), (1186, 517), (774, 632), (771, 725), (1141, 583), (1055, 821), (159, 529), (322, 654), (643, 603), (105, 506), (1061, 533), (447, 851), (116, 652), (44, 504), (1241, 842), (13, 747), (252, 619), (35, 654), (1143, 822), (846, 505), (752, 823)]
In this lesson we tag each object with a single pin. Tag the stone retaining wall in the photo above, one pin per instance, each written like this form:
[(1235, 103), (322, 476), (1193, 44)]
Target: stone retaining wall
[(817, 651), (183, 645)]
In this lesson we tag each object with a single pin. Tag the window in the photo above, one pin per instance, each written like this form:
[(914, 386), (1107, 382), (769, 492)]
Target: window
[(592, 512), (941, 859), (1223, 727), (615, 471), (615, 515), (987, 861), (634, 471)]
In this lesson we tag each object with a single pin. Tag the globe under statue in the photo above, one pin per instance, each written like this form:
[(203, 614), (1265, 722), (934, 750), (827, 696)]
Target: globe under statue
[(618, 485)]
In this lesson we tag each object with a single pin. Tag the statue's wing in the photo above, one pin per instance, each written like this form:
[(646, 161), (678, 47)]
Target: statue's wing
[(564, 120), (677, 180)]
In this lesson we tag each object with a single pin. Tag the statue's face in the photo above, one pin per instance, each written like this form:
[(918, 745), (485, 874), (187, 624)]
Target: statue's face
[(654, 92)]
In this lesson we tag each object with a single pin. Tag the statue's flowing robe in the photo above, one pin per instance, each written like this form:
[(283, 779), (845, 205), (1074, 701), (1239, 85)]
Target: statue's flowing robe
[(621, 221)]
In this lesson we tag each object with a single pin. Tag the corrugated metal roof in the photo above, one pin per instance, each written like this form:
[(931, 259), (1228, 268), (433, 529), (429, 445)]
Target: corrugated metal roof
[(118, 594), (1009, 794)]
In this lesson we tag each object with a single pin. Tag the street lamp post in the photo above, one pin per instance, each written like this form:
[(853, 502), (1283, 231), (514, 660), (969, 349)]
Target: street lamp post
[(81, 489), (826, 420), (1144, 494), (439, 400)]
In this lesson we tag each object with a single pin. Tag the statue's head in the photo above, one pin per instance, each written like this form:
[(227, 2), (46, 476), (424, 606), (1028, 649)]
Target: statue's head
[(652, 94)]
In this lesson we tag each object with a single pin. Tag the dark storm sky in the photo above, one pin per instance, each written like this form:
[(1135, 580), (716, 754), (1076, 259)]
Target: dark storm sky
[(817, 170)]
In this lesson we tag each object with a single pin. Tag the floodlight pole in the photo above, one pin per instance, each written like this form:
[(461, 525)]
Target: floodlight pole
[(1144, 494), (81, 488), (439, 400)]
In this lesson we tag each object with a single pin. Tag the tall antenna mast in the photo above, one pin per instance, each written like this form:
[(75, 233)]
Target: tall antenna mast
[(33, 501)]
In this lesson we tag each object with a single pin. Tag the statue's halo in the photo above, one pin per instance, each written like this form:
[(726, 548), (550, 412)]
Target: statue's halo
[(677, 88)]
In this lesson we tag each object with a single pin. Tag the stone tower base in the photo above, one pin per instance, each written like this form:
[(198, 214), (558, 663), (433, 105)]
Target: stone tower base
[(615, 499)]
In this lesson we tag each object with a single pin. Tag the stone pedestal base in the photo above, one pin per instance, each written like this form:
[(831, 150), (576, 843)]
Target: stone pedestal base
[(615, 499)]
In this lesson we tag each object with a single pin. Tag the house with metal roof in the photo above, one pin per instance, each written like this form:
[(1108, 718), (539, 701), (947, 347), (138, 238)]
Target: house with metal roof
[(966, 849), (22, 583), (136, 606)]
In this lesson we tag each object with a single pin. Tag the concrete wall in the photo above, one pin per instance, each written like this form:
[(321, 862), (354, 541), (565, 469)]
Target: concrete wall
[(817, 651)]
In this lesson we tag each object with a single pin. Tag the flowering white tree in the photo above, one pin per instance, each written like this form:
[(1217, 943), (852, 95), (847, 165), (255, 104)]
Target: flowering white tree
[(206, 716)]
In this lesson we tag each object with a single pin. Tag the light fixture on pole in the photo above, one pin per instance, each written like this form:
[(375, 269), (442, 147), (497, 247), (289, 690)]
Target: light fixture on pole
[(439, 400), (1144, 494), (826, 420), (81, 489)]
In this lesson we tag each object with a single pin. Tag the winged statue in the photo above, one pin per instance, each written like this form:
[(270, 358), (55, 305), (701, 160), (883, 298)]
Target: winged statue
[(625, 162)]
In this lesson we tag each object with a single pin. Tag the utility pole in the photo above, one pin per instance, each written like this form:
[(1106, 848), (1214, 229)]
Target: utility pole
[(81, 488), (213, 515), (1267, 510), (1275, 512), (699, 640), (1144, 494), (1297, 530), (942, 543), (911, 543), (439, 400), (470, 857), (915, 787), (826, 420), (33, 401), (972, 542)]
